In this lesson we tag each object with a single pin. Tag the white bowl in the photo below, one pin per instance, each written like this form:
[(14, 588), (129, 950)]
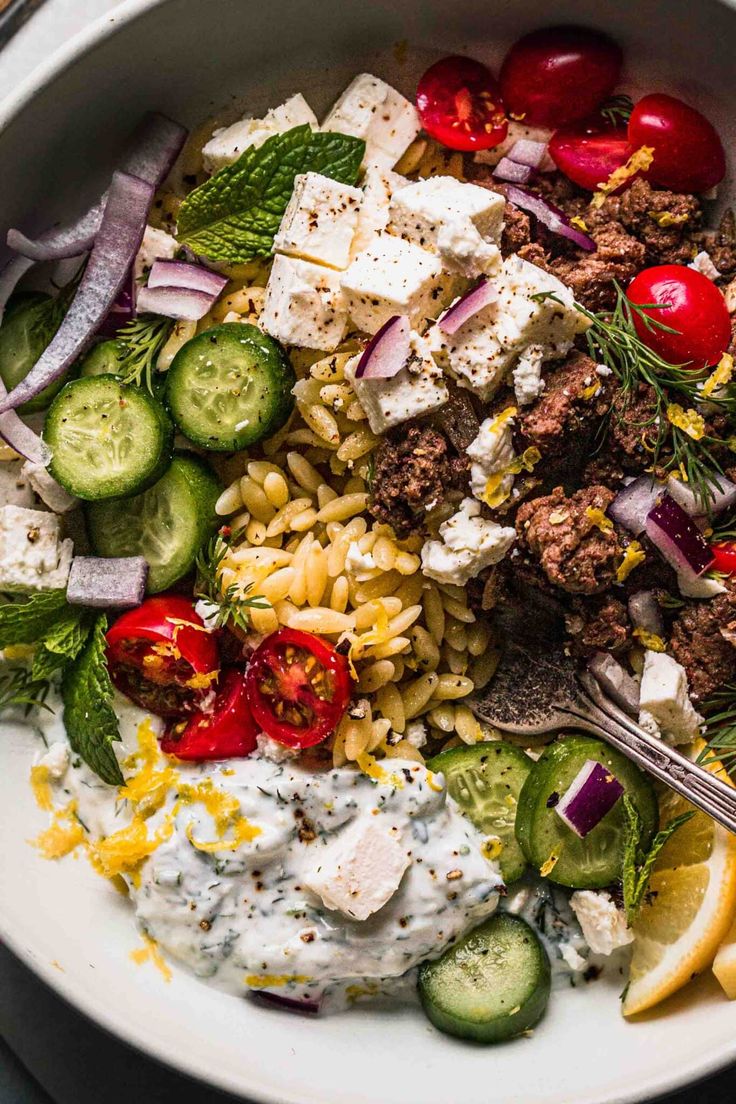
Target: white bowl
[(60, 134)]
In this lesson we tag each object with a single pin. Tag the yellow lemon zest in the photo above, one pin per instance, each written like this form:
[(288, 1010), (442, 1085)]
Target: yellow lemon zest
[(639, 161), (720, 375), (548, 866), (202, 680), (147, 789), (496, 493), (41, 787), (378, 634), (527, 461), (370, 766), (581, 224), (633, 556), (598, 518), (502, 419), (149, 952), (124, 851), (491, 848), (355, 992), (274, 981), (650, 640), (689, 421), (224, 809), (667, 218), (64, 834), (433, 783)]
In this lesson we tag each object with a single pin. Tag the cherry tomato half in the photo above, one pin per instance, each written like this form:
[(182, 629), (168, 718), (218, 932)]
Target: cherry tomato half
[(688, 154), (558, 75), (161, 656), (725, 557), (298, 687), (590, 151), (691, 305), (460, 105), (224, 731)]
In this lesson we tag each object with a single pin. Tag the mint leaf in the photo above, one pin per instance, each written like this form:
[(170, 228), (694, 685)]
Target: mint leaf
[(28, 621), (89, 717), (62, 643), (638, 865), (235, 214)]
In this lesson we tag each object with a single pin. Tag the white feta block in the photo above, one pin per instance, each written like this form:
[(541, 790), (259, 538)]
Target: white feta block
[(417, 389), (379, 186), (469, 543), (319, 221), (32, 557), (473, 354), (157, 245), (663, 698), (51, 493), (603, 924), (226, 144), (361, 565), (461, 222), (374, 111), (392, 277), (15, 489), (304, 305), (702, 262), (527, 373), (491, 453), (361, 869)]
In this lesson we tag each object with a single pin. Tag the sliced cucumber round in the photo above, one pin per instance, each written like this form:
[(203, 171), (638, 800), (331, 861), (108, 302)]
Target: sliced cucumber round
[(493, 984), (168, 524), (107, 439), (28, 327), (229, 387), (486, 780), (553, 848), (102, 359)]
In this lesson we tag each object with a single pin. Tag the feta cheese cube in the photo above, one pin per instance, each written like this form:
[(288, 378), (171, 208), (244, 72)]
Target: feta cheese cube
[(702, 262), (461, 222), (361, 868), (603, 924), (304, 305), (417, 389), (664, 700), (700, 586), (319, 221), (473, 354), (31, 555), (528, 382), (491, 453), (469, 544), (392, 277), (15, 490), (374, 111), (156, 245), (379, 185), (51, 493), (226, 144)]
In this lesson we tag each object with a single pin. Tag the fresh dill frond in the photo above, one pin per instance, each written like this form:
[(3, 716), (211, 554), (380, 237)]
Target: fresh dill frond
[(19, 688), (617, 110), (719, 711), (140, 341), (233, 601)]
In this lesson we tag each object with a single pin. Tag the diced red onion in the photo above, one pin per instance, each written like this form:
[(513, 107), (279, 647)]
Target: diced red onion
[(631, 506), (15, 432), (592, 793), (550, 216), (181, 274), (512, 171), (119, 582), (721, 495), (616, 682), (678, 538), (645, 612), (10, 277), (288, 1004), (121, 312), (484, 294), (184, 304), (526, 152), (387, 352), (117, 243)]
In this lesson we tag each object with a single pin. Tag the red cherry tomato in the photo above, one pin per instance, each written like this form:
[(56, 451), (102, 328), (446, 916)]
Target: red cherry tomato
[(298, 687), (558, 75), (688, 154), (160, 655), (226, 731), (725, 557), (460, 105), (691, 305), (589, 152)]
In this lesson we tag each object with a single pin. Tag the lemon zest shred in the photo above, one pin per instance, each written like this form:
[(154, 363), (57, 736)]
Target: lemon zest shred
[(433, 783), (274, 981), (41, 787), (650, 640), (147, 789), (633, 556), (224, 809), (639, 161), (64, 834), (689, 421), (370, 766), (124, 852), (666, 219), (549, 864), (581, 224), (598, 518), (720, 375), (150, 952)]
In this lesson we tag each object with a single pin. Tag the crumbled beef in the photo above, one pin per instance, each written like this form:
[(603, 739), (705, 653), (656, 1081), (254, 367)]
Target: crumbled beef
[(604, 469), (566, 536), (645, 211), (722, 248), (457, 418), (591, 276), (632, 431), (598, 624), (699, 644), (517, 230), (415, 468), (556, 188)]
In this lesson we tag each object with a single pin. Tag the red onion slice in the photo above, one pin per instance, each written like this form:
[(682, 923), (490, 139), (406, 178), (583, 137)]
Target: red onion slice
[(10, 277), (15, 432), (721, 495), (527, 152), (617, 683), (119, 582), (184, 304), (122, 310), (387, 352), (550, 216), (631, 506), (288, 1004), (484, 294), (181, 274), (678, 538), (69, 240), (512, 171), (645, 612), (117, 243), (592, 793)]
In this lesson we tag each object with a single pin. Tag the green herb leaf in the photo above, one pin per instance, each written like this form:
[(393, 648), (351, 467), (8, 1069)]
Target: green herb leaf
[(638, 865), (19, 686), (62, 643), (234, 601), (28, 620), (235, 214), (139, 343), (89, 717), (720, 728)]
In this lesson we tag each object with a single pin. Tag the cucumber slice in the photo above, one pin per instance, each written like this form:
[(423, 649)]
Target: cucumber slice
[(493, 984), (107, 439), (28, 327), (168, 524), (229, 387), (547, 842), (102, 360), (486, 781)]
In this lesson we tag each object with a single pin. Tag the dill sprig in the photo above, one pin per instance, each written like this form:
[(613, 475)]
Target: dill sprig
[(719, 711), (19, 688), (617, 110), (233, 601), (140, 341)]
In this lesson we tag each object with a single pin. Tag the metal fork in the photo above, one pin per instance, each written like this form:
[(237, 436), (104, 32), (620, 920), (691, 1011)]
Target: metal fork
[(533, 693)]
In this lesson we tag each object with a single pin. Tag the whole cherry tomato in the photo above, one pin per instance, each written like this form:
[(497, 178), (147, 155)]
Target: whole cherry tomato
[(161, 656), (460, 105), (298, 687), (588, 152), (689, 304), (558, 75), (688, 154), (226, 730), (725, 557)]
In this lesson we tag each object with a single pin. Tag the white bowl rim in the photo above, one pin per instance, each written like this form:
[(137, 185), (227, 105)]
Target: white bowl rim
[(70, 991)]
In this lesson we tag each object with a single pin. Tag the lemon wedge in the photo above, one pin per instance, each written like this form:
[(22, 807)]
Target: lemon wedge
[(724, 964), (689, 907)]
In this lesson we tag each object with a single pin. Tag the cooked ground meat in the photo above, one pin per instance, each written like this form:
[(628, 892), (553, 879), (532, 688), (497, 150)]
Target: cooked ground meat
[(699, 644), (457, 419), (558, 189), (632, 432), (644, 211), (415, 467), (722, 247), (604, 469), (517, 230), (598, 624), (618, 257)]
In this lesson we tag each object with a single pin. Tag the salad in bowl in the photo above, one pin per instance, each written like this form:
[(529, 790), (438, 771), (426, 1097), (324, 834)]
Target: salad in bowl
[(306, 422)]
